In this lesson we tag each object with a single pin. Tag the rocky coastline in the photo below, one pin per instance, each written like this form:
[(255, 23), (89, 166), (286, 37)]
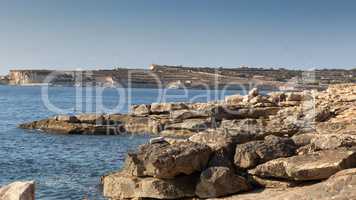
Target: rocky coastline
[(283, 145)]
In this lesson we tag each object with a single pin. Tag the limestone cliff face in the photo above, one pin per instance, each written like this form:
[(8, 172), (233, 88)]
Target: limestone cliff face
[(23, 77), (156, 77)]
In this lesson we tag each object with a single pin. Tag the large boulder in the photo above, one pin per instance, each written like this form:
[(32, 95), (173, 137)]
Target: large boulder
[(221, 143), (164, 160), (250, 154), (220, 181), (340, 186), (142, 109), (123, 186), (316, 166), (18, 191)]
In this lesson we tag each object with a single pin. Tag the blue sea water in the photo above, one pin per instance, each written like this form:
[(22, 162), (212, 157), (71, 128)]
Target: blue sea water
[(70, 166)]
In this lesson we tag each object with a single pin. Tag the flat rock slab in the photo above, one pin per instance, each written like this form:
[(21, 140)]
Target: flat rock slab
[(191, 124), (164, 160), (122, 186), (189, 114), (18, 191), (341, 186), (317, 166)]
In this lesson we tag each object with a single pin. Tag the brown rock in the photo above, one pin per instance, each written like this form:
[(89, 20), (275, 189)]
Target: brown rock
[(220, 181), (123, 186), (167, 107), (234, 99), (273, 183), (179, 115), (221, 143), (141, 109), (180, 133), (303, 139), (341, 186), (162, 160), (230, 112), (250, 154), (191, 124), (316, 166)]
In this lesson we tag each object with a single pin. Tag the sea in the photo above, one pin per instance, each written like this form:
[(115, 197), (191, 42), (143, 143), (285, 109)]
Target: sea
[(70, 166)]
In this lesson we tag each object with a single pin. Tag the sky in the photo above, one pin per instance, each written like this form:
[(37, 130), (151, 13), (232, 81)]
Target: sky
[(98, 34)]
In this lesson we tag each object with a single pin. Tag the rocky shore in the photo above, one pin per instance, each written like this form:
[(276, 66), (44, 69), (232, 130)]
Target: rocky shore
[(297, 145)]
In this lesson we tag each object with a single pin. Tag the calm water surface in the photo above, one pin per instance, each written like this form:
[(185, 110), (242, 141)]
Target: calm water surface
[(70, 166)]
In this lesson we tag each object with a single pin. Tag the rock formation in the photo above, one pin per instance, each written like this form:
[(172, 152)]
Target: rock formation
[(275, 146)]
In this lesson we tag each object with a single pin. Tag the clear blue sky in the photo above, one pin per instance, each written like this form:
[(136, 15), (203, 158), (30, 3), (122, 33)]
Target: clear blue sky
[(69, 34)]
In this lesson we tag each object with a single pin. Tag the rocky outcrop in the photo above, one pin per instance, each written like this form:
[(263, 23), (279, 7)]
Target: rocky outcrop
[(163, 160), (18, 191), (285, 142)]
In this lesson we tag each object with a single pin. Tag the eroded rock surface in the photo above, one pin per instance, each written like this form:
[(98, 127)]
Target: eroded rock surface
[(316, 166), (220, 181), (18, 191), (164, 160), (250, 154)]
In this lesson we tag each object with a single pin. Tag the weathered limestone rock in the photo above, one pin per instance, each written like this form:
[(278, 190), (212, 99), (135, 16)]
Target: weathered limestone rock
[(250, 154), (276, 97), (253, 92), (167, 107), (162, 160), (255, 126), (92, 119), (141, 109), (54, 126), (340, 186), (191, 124), (67, 118), (294, 96), (304, 139), (328, 141), (316, 166), (273, 183), (230, 112), (221, 143), (177, 133), (123, 186), (234, 99), (215, 140), (220, 181), (179, 115), (18, 191), (340, 127)]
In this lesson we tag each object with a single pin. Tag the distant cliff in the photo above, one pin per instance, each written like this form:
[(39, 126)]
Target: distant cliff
[(189, 77)]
